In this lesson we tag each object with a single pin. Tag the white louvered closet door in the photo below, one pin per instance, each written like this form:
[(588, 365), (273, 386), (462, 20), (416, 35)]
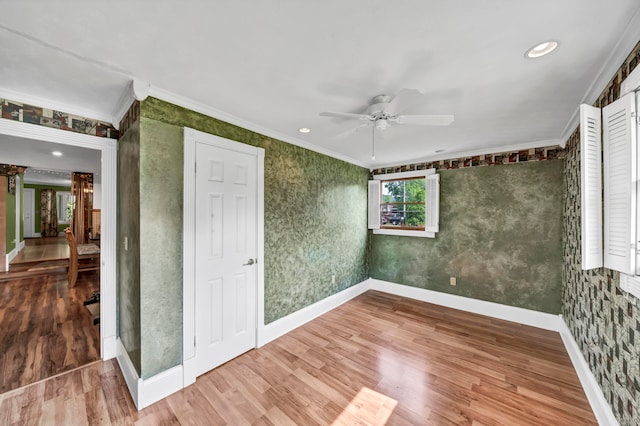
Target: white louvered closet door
[(620, 181), (591, 185)]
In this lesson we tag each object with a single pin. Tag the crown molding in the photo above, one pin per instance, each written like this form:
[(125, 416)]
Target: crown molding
[(37, 101), (127, 98), (473, 152), (136, 90), (193, 105), (619, 53)]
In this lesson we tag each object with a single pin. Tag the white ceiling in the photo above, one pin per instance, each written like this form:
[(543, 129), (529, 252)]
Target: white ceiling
[(43, 166), (274, 65)]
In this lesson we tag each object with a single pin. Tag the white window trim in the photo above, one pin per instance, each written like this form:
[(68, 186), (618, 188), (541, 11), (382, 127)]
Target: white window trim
[(405, 175)]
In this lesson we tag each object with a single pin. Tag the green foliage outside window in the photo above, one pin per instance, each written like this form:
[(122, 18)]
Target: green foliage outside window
[(403, 203)]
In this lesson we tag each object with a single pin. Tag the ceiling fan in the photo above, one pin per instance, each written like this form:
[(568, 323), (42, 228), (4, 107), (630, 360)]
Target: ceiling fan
[(385, 111)]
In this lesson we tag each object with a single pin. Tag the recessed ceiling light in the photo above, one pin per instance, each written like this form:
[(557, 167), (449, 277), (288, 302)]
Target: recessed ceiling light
[(541, 49), (56, 154), (304, 130)]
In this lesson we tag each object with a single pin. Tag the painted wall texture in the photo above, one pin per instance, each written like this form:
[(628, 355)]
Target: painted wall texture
[(128, 260), (315, 214), (315, 227), (604, 321), (500, 236), (10, 223), (36, 215), (161, 153)]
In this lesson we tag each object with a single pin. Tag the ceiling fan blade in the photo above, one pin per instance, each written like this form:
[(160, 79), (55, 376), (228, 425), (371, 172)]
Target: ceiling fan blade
[(405, 98), (351, 131), (425, 120), (345, 115)]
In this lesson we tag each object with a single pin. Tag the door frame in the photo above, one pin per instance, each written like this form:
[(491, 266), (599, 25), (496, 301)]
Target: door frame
[(33, 212), (108, 149), (191, 137), (18, 214)]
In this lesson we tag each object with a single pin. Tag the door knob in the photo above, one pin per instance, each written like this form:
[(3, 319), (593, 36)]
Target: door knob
[(250, 262)]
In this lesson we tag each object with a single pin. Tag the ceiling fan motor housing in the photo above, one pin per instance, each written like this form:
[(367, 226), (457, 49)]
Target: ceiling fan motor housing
[(378, 104)]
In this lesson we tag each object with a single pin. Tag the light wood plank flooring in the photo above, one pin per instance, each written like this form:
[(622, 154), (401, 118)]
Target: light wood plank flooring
[(45, 329), (42, 250), (378, 359)]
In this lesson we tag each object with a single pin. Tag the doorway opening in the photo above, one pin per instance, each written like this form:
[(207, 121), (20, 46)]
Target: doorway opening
[(66, 302)]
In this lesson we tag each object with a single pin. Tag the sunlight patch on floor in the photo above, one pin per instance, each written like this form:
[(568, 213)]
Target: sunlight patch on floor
[(368, 407)]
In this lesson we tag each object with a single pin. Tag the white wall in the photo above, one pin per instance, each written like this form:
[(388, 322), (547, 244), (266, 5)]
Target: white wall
[(97, 195)]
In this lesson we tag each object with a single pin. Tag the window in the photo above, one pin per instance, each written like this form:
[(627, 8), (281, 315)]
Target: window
[(404, 203), (65, 203)]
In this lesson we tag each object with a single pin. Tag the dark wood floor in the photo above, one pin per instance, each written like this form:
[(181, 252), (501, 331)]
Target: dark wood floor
[(39, 256), (378, 359), (44, 328)]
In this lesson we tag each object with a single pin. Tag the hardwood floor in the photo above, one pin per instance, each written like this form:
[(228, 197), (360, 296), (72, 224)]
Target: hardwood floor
[(378, 359), (41, 250), (44, 328)]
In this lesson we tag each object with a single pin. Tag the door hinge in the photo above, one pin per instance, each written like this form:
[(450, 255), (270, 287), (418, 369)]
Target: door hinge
[(195, 168), (194, 341)]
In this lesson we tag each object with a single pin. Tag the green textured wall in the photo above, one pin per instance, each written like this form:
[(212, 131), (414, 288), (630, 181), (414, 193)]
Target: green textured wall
[(36, 216), (500, 236), (10, 223), (161, 170), (315, 214), (128, 264)]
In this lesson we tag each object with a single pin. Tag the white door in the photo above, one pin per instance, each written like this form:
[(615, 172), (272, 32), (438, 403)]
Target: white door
[(29, 207), (225, 254)]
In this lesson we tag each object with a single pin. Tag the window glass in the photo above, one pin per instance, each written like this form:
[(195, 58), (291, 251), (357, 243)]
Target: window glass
[(65, 206), (403, 204)]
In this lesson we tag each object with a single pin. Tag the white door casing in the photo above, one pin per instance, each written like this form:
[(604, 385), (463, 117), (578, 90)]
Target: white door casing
[(18, 213), (223, 232), (29, 212), (108, 149)]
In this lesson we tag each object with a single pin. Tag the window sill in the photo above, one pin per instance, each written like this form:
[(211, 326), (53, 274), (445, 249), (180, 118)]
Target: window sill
[(404, 233), (630, 284)]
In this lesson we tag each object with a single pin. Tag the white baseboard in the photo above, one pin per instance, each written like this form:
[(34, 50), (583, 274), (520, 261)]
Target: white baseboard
[(280, 327), (599, 404), (129, 372), (21, 245), (148, 391), (10, 256), (490, 309), (160, 386), (109, 347)]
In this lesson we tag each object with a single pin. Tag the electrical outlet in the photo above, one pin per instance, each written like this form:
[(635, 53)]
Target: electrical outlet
[(452, 281), (333, 279)]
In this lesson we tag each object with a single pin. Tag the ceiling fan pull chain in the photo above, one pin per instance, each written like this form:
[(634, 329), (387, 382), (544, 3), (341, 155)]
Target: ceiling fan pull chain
[(373, 142)]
